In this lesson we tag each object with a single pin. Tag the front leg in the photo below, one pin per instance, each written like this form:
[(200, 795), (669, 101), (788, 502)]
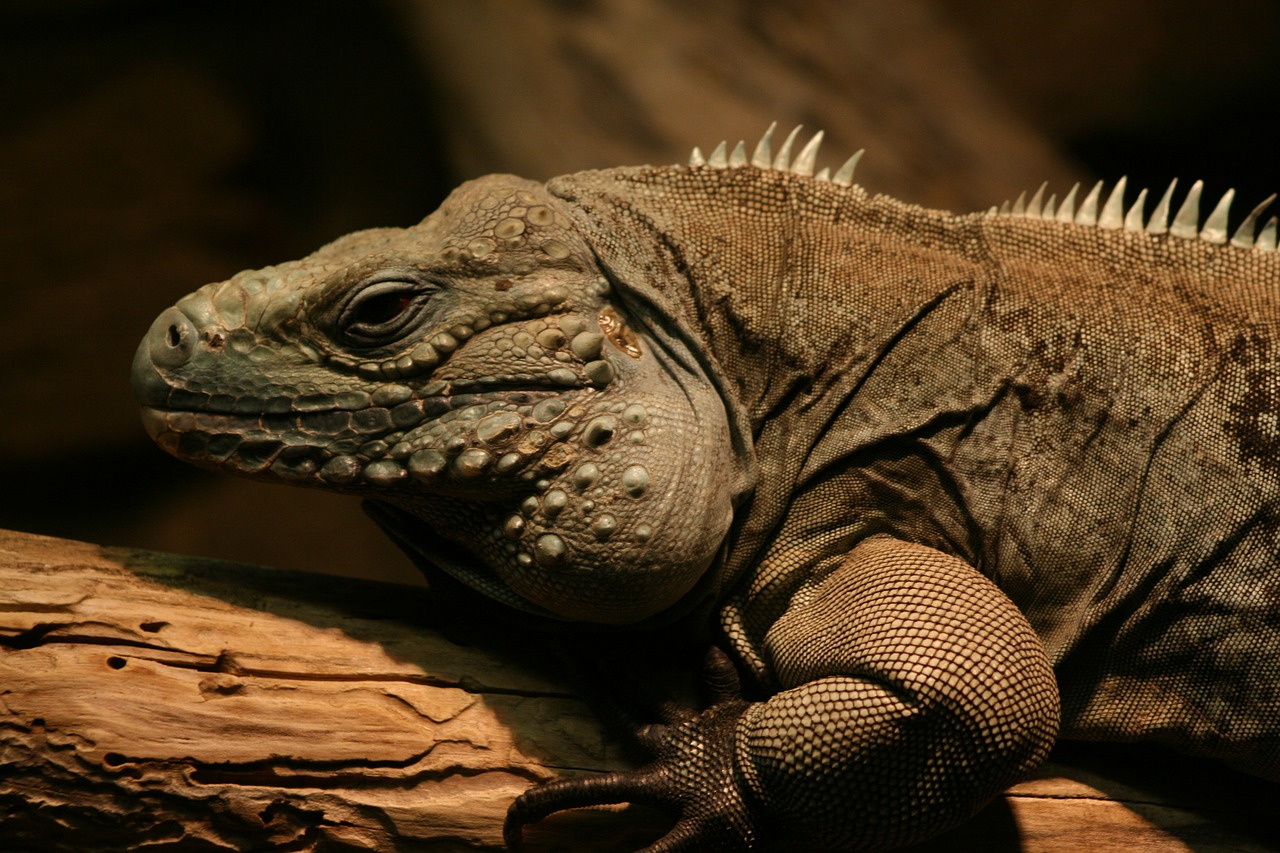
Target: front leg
[(913, 691)]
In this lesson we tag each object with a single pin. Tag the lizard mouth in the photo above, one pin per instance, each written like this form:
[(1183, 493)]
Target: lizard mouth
[(432, 400), (469, 428)]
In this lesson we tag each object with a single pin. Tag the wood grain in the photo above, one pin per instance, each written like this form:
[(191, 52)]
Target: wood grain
[(203, 705)]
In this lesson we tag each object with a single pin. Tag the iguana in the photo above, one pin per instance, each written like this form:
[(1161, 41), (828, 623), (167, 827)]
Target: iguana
[(942, 484)]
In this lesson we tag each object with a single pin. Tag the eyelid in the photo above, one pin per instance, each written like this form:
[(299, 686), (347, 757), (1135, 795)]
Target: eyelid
[(377, 289), (387, 283)]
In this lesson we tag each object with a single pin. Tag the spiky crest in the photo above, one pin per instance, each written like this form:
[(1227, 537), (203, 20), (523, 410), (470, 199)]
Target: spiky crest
[(1113, 214)]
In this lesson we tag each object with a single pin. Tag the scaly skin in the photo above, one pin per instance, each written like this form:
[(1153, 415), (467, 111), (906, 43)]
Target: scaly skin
[(506, 402), (913, 462)]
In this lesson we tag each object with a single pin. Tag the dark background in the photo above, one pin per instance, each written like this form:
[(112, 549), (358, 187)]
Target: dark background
[(149, 147)]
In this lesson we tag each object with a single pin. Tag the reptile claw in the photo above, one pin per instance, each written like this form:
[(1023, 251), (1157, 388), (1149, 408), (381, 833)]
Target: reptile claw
[(545, 800), (720, 677), (692, 778), (692, 758)]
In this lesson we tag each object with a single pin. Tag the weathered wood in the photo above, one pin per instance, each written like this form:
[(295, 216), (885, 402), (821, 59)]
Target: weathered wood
[(146, 697), (202, 705)]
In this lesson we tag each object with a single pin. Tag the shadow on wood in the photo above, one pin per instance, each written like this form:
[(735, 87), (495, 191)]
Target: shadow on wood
[(202, 705)]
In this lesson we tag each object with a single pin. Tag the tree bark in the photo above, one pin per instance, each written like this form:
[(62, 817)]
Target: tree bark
[(149, 701)]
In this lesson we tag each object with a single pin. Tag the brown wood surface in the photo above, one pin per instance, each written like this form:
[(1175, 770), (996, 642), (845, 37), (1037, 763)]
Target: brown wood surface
[(147, 698)]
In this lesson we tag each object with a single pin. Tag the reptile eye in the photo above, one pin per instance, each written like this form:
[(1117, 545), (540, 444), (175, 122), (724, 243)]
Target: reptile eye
[(381, 308), (380, 313)]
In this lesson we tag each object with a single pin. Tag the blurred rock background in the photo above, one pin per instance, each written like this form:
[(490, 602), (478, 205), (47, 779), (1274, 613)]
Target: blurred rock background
[(148, 147)]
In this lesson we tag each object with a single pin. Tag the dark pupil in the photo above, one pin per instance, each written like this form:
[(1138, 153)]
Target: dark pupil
[(382, 308)]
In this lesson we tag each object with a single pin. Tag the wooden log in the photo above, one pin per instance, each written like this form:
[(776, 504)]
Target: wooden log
[(147, 698), (187, 704)]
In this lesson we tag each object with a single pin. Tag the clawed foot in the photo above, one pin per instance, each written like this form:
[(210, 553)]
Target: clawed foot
[(691, 775)]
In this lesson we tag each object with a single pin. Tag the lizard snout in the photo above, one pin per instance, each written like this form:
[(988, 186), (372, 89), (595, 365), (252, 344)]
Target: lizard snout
[(168, 344)]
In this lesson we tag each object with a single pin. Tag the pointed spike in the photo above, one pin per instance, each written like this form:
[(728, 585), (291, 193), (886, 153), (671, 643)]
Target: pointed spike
[(1244, 234), (739, 155), (763, 156), (808, 156), (1215, 227), (696, 158), (1005, 209), (993, 210), (1159, 221), (1134, 218), (1034, 206), (1020, 204), (1112, 215), (1067, 210), (718, 159), (1266, 241), (824, 174), (1088, 212), (844, 175), (1050, 207), (783, 161), (1243, 237), (1186, 223)]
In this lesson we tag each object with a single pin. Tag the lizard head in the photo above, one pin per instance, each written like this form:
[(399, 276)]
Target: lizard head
[(479, 372)]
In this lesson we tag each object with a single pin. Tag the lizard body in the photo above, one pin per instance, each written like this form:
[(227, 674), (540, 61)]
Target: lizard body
[(908, 461)]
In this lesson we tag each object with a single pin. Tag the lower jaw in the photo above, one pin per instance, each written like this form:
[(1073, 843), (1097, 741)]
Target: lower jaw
[(327, 449), (156, 423), (338, 463)]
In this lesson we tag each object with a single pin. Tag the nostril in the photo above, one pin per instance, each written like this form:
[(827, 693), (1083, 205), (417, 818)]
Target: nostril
[(172, 339)]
